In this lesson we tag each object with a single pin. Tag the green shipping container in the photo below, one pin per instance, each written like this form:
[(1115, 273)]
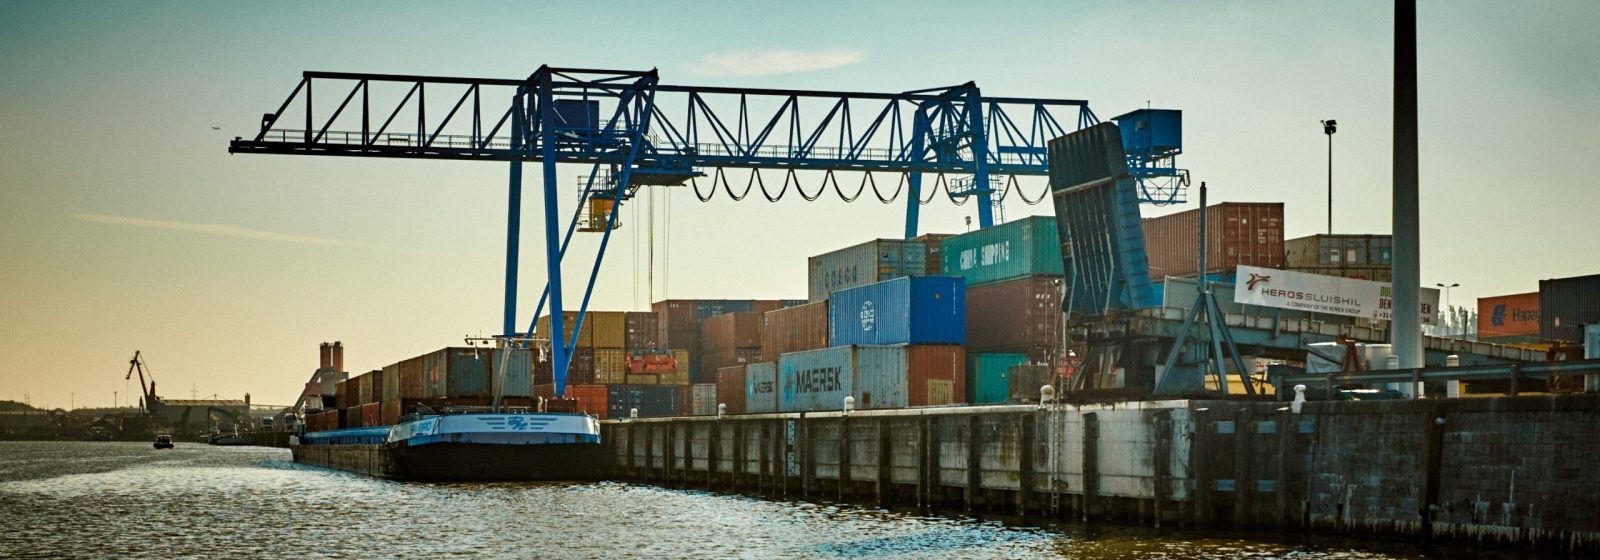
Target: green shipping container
[(989, 376), (1027, 247)]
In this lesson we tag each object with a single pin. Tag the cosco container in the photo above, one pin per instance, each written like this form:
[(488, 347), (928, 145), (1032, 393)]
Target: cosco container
[(1566, 305), (1237, 233), (989, 376), (730, 388), (512, 372), (761, 388), (1026, 247), (610, 328), (650, 400), (911, 310), (1020, 312), (643, 331), (793, 329), (456, 372), (876, 376), (703, 399), (867, 263)]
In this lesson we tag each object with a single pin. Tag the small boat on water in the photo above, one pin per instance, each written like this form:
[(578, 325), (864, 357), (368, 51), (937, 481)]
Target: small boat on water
[(469, 446), (163, 441)]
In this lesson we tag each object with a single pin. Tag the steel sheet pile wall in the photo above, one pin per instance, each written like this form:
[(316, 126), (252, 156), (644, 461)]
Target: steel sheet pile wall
[(895, 376), (913, 310), (1238, 233), (1566, 305), (867, 263), (793, 329)]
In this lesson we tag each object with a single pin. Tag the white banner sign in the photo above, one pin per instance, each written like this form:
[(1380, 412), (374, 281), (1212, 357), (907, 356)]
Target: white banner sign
[(1316, 293)]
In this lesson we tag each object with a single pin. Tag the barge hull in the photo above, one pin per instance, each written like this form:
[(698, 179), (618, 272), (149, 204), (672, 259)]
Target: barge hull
[(460, 462)]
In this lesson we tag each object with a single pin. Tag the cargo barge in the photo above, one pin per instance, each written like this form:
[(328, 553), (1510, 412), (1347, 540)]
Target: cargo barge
[(478, 447)]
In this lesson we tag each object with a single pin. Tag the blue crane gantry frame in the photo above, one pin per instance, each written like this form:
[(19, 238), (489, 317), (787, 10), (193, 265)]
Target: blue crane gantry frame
[(556, 116)]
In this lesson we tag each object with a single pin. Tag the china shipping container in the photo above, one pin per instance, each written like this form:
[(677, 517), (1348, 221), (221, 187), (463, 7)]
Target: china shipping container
[(933, 248), (610, 365), (761, 388), (793, 329), (642, 330), (456, 372), (867, 263), (730, 330), (989, 376), (1238, 233), (1020, 312), (591, 399), (609, 329), (877, 376), (568, 320), (511, 370), (911, 310), (1026, 247), (1509, 316), (702, 399), (1338, 250), (730, 388), (652, 401), (1566, 305)]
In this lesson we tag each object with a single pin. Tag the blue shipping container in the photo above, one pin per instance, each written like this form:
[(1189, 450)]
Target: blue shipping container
[(908, 310), (652, 401)]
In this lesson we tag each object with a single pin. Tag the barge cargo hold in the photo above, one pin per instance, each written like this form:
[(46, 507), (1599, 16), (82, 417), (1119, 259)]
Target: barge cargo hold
[(463, 447)]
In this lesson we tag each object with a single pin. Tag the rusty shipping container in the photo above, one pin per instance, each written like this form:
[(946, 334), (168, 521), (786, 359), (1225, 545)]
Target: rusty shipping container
[(591, 399), (609, 329), (730, 388), (1238, 233), (389, 411), (364, 387), (643, 330), (391, 382), (371, 415), (794, 329), (411, 385), (730, 331), (1023, 312), (343, 394)]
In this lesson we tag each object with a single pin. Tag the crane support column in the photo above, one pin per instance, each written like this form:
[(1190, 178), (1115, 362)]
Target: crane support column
[(552, 233), (513, 225), (919, 146), (980, 158)]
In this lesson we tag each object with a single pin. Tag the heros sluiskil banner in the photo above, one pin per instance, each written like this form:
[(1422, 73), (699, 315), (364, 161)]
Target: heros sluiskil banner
[(1315, 293)]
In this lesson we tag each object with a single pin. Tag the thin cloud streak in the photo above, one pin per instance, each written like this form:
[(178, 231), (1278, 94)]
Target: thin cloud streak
[(773, 62), (214, 229)]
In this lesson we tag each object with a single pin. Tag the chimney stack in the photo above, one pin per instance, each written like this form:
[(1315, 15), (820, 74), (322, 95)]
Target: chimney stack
[(325, 356), (336, 356)]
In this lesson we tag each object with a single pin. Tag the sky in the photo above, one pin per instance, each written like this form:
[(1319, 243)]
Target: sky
[(125, 224)]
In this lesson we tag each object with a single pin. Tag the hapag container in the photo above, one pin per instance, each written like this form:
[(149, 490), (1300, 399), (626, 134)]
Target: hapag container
[(591, 399), (610, 329), (650, 400), (1341, 250), (643, 330), (1238, 233), (702, 399), (1509, 316), (730, 388), (569, 318), (912, 310), (456, 372), (1566, 305), (794, 329), (610, 366), (989, 376), (867, 263), (512, 372), (761, 388), (730, 330), (1019, 312), (1027, 247), (877, 376)]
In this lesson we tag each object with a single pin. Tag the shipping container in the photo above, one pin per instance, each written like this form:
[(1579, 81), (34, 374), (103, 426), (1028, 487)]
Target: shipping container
[(932, 248), (569, 318), (794, 329), (364, 387), (1341, 250), (391, 382), (1238, 233), (730, 388), (344, 394), (456, 372), (610, 329), (1509, 316), (989, 376), (389, 411), (643, 331), (877, 376), (411, 385), (711, 362), (912, 310), (1026, 247), (591, 399), (702, 399), (1020, 312), (730, 331), (867, 263), (675, 315), (511, 372), (761, 388), (1374, 273), (371, 415), (652, 401), (610, 365), (1566, 305), (642, 379), (1027, 380)]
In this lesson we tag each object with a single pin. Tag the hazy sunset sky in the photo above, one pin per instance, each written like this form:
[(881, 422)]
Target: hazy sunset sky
[(126, 225)]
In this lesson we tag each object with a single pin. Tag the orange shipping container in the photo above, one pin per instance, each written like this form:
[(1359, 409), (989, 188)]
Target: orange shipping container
[(1513, 315), (591, 398)]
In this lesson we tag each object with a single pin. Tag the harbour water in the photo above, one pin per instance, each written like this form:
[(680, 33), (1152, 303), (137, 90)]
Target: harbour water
[(127, 500)]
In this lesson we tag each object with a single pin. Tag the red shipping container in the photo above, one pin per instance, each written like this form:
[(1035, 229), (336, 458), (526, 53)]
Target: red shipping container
[(935, 374), (731, 388), (1021, 312), (644, 330), (793, 329), (591, 398), (371, 415), (390, 411), (1238, 233), (730, 331), (411, 378)]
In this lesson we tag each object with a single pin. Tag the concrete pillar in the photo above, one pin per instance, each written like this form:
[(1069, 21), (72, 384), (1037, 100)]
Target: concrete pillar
[(844, 455), (1242, 481), (1091, 464)]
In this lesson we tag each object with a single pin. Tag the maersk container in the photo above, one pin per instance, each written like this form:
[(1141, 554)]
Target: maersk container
[(1027, 247), (911, 310), (761, 388), (815, 379), (650, 400), (867, 263), (989, 376), (876, 376)]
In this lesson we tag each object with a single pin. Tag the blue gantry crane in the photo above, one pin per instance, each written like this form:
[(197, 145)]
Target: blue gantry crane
[(635, 131)]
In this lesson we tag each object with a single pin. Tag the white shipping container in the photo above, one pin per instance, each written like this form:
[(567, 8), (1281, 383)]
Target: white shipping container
[(703, 399), (761, 388)]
